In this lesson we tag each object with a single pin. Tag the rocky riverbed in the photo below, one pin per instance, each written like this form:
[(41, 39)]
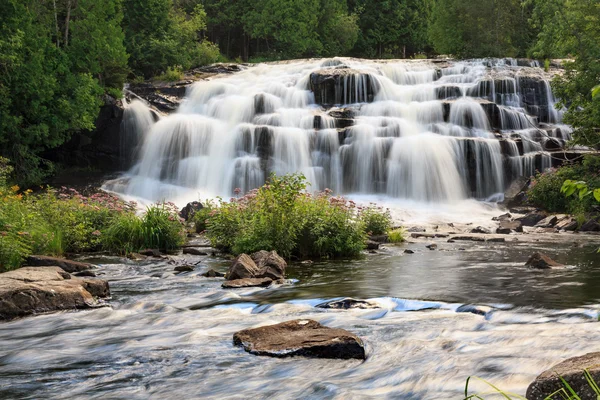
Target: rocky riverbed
[(428, 319)]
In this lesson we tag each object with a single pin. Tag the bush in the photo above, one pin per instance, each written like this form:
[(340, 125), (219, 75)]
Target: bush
[(396, 235), (545, 189), (158, 228), (201, 216), (282, 216), (172, 74), (376, 221)]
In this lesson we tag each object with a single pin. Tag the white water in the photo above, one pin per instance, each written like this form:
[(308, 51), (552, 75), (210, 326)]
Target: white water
[(420, 132)]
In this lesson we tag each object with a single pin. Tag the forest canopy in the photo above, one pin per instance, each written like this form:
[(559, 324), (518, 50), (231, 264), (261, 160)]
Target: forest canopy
[(58, 58)]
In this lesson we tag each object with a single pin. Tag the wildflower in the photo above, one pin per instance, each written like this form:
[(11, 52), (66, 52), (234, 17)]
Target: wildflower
[(96, 233), (14, 188), (3, 233), (23, 233)]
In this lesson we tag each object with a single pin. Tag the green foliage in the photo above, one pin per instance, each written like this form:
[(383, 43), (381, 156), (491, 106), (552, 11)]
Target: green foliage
[(486, 28), (201, 216), (553, 190), (158, 228), (172, 74), (396, 235), (375, 220), (281, 216), (572, 29), (159, 35)]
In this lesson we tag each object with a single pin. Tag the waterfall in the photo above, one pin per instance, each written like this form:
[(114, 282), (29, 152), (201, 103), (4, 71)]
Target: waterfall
[(417, 130), (137, 120)]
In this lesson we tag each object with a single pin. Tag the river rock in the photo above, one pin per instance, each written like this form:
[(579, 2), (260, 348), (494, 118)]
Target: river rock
[(67, 265), (531, 218), (548, 222), (379, 238), (409, 251), (33, 290), (211, 273), (150, 253), (347, 303), (242, 267), (247, 282), (542, 261), (372, 245), (270, 264), (300, 338), (507, 227), (515, 195), (190, 209), (416, 229), (473, 309), (432, 246), (184, 268), (194, 251), (503, 217), (590, 226), (572, 371), (567, 224), (481, 229), (467, 238)]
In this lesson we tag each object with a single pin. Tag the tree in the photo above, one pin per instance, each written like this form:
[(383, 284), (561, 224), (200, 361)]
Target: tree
[(572, 28)]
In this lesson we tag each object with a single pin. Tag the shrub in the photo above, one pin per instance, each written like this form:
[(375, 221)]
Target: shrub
[(158, 228), (282, 216), (201, 216), (376, 221), (172, 74), (396, 235)]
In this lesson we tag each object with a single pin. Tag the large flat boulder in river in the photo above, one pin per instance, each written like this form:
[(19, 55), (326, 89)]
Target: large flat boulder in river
[(67, 265), (302, 337), (572, 371), (34, 290)]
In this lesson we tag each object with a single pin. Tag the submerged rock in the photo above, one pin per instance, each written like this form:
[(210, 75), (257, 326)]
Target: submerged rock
[(572, 371), (300, 338), (211, 273), (34, 290), (409, 251), (347, 303), (542, 261), (67, 265), (194, 251), (184, 268), (432, 246), (247, 282), (474, 309)]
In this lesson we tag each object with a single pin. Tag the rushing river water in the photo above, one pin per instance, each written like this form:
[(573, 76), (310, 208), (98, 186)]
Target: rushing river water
[(169, 336)]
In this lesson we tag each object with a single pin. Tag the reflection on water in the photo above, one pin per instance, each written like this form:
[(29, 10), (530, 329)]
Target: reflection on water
[(171, 337)]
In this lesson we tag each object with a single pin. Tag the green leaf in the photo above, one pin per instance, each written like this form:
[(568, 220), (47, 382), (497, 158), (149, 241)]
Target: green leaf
[(597, 195), (596, 91)]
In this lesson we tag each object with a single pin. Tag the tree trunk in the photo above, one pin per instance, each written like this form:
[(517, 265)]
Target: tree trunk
[(56, 23), (67, 20)]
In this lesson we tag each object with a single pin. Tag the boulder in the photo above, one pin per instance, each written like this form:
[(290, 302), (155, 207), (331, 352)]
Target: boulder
[(247, 282), (270, 264), (567, 224), (507, 227), (300, 338), (481, 229), (194, 251), (572, 371), (34, 290), (542, 261), (531, 218), (503, 217), (190, 209), (432, 246), (150, 252), (67, 265), (184, 268), (372, 245), (515, 195), (409, 251), (242, 267), (347, 303), (211, 273), (548, 222), (590, 226)]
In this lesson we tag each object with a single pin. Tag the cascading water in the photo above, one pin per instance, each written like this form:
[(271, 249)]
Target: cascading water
[(422, 130)]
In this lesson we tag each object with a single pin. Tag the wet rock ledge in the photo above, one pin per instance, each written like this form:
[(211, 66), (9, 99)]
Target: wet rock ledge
[(300, 338), (34, 290)]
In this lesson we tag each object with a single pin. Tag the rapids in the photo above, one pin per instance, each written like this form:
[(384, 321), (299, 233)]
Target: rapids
[(420, 131), (169, 336)]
